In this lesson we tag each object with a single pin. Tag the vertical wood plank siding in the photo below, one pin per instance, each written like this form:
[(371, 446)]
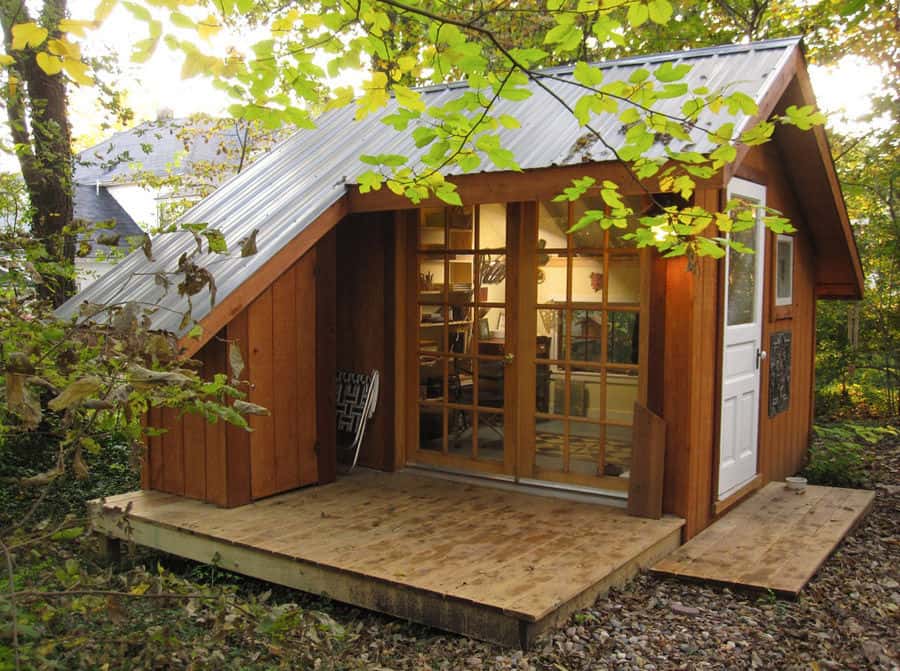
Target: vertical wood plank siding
[(280, 336)]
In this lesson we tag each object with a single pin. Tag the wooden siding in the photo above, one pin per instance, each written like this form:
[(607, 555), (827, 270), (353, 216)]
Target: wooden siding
[(691, 337), (188, 458), (366, 335), (783, 438), (277, 333)]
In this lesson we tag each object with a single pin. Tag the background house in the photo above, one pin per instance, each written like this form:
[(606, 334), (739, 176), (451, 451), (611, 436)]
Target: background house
[(141, 179)]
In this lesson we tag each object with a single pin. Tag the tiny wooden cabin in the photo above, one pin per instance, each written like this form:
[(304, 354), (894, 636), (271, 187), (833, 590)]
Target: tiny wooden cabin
[(509, 349)]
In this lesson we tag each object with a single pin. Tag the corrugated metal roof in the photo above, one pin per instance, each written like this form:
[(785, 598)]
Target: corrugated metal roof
[(286, 191)]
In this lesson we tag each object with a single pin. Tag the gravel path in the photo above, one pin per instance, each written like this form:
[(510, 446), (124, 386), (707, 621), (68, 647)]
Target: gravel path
[(848, 617)]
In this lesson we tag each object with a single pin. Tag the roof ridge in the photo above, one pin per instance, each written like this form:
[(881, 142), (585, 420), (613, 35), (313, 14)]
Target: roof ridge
[(683, 54)]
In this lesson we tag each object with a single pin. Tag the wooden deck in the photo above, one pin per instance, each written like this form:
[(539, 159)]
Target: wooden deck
[(775, 540), (492, 564)]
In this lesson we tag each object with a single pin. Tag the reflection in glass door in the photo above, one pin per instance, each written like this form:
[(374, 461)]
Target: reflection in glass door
[(461, 344), (588, 348)]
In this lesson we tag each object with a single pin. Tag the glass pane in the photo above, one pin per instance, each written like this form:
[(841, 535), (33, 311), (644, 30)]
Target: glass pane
[(622, 337), (587, 279), (784, 270), (431, 334), (593, 235), (549, 438), (618, 451), (624, 284), (460, 267), (460, 308), (492, 226), (553, 222), (432, 378), (742, 279), (551, 277), (492, 278), (490, 436), (431, 228), (584, 448), (586, 342), (460, 380), (542, 383), (550, 330), (491, 331), (584, 394), (489, 378), (431, 428), (431, 276), (621, 393), (460, 428)]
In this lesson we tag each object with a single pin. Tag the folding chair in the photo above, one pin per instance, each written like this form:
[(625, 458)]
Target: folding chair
[(356, 398)]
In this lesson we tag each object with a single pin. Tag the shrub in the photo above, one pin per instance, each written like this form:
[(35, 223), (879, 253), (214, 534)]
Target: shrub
[(837, 455)]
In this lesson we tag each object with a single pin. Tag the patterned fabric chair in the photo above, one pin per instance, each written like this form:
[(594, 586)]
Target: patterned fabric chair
[(356, 398)]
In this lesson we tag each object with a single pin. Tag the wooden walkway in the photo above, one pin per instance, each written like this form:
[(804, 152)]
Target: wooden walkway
[(775, 540), (492, 564)]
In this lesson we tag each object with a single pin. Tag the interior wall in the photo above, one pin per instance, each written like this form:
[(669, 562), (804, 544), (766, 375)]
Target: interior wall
[(783, 438), (365, 335)]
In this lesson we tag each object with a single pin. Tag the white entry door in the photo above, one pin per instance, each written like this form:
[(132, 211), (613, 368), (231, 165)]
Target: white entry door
[(741, 348)]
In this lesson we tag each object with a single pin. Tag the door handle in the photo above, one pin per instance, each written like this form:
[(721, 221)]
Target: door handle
[(508, 358), (761, 355)]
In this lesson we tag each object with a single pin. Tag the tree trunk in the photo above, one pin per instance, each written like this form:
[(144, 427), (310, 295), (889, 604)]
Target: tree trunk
[(38, 117)]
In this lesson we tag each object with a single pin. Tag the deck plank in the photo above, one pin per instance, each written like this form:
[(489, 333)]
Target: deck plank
[(775, 540), (442, 552)]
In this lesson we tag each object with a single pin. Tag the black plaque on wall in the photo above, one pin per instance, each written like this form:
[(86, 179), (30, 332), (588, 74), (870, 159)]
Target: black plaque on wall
[(779, 372)]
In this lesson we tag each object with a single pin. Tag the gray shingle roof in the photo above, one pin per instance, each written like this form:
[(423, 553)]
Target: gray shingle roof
[(286, 191)]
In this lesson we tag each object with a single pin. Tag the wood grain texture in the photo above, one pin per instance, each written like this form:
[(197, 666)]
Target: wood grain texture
[(286, 407), (326, 357), (457, 551), (214, 357), (648, 453), (303, 378), (260, 346), (237, 440), (783, 538), (365, 321), (172, 479)]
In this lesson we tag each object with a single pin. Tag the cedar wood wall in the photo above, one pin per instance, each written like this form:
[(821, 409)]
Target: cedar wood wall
[(293, 446)]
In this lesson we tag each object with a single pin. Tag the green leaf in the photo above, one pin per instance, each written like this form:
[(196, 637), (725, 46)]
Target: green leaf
[(660, 11), (637, 14), (586, 75), (577, 190), (640, 75), (423, 135), (369, 181), (216, 241)]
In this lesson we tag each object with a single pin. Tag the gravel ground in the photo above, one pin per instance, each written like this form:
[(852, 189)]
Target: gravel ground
[(846, 618)]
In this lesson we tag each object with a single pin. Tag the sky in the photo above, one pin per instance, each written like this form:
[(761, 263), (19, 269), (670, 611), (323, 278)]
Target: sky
[(842, 92)]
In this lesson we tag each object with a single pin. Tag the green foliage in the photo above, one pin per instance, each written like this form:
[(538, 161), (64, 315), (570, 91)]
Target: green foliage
[(837, 453), (113, 469), (858, 345)]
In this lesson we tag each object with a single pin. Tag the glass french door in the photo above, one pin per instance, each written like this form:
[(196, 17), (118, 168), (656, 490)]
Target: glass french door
[(588, 356), (528, 348), (462, 357)]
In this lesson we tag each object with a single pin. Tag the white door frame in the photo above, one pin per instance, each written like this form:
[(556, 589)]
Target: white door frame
[(742, 355)]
